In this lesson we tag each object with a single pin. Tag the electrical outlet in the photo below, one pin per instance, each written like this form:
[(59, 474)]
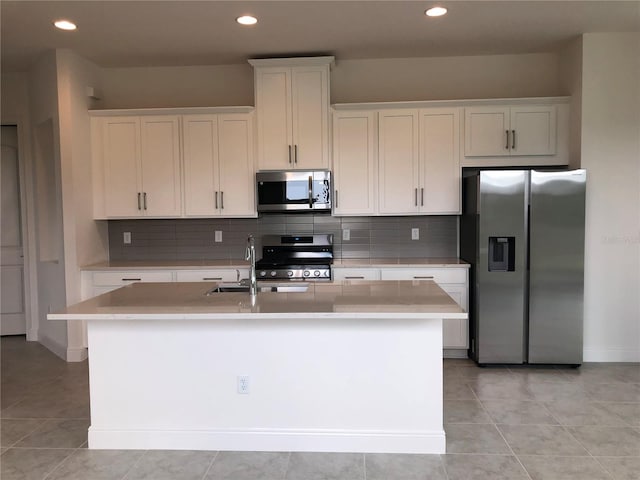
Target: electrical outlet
[(346, 234), (243, 384), (126, 238), (415, 234), (218, 236)]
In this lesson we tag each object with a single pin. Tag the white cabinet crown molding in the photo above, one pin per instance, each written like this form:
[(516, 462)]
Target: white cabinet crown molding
[(169, 111), (292, 61), (451, 103)]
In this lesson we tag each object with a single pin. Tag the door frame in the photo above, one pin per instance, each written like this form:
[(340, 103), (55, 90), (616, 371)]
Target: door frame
[(27, 217)]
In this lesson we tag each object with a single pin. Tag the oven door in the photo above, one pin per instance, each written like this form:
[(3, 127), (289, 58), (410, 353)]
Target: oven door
[(293, 191)]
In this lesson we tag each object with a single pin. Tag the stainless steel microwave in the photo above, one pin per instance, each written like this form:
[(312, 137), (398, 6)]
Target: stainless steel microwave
[(293, 190)]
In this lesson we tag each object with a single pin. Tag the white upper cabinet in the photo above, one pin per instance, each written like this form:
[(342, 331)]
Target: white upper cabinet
[(398, 143), (419, 161), (218, 165), (141, 166), (160, 161), (440, 174), (519, 130), (292, 107), (355, 167)]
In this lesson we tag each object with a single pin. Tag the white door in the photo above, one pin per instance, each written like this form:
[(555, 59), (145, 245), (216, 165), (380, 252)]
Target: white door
[(12, 319)]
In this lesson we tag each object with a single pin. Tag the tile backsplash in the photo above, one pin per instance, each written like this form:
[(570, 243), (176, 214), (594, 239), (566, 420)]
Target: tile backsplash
[(370, 237)]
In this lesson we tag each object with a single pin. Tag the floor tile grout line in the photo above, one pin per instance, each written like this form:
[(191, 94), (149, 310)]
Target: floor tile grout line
[(502, 436), (364, 465), (606, 470), (59, 464), (126, 474), (213, 459), (286, 467), (443, 464)]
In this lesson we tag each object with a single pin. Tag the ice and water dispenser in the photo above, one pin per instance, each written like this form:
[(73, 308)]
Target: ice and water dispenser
[(502, 254)]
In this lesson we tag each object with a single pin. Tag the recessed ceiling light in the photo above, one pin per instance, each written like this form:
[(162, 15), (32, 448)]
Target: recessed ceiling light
[(247, 20), (436, 12), (65, 25)]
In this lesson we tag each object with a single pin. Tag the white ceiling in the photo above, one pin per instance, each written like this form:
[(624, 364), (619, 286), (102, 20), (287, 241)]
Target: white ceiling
[(171, 32)]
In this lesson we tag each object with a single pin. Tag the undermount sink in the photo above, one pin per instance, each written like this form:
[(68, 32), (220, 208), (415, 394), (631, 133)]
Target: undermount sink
[(262, 287)]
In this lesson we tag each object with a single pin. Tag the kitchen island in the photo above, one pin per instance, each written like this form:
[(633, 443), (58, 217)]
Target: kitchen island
[(352, 366)]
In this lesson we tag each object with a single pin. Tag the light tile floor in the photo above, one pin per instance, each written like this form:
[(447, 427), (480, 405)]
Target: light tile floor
[(501, 423)]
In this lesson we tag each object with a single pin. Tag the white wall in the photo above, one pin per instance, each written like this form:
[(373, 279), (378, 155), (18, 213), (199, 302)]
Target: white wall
[(45, 130), (396, 79), (85, 240), (445, 78), (611, 155), (570, 67), (197, 86)]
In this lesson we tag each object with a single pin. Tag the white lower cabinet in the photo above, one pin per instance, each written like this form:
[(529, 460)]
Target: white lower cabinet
[(454, 281), (350, 273), (217, 275)]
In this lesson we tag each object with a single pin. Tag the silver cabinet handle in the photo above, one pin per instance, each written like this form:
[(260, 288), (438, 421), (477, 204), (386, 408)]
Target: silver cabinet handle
[(139, 195), (418, 277), (513, 139), (354, 277), (212, 278), (422, 197), (144, 199), (310, 191), (221, 200), (216, 195), (289, 154), (415, 196), (131, 279), (336, 200), (507, 145), (295, 154)]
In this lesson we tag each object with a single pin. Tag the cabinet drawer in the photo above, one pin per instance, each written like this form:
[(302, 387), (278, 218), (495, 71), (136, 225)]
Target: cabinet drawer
[(356, 274), (126, 277), (439, 275), (217, 275)]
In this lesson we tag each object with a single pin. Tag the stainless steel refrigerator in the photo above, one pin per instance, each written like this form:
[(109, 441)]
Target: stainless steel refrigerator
[(523, 234)]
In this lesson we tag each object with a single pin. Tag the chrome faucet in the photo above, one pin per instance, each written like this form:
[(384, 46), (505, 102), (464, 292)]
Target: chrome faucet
[(250, 255)]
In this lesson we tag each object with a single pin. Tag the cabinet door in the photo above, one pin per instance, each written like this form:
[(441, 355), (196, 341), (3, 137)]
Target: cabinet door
[(455, 331), (350, 273), (485, 132), (200, 140), (273, 103), (121, 154), (161, 166), (440, 175), (398, 161), (237, 170), (214, 275), (533, 130), (354, 163), (310, 104)]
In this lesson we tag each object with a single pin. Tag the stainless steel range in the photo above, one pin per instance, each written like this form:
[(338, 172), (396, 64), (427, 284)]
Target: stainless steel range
[(296, 257)]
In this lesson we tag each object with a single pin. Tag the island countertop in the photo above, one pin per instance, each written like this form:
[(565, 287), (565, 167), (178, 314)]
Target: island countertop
[(339, 299)]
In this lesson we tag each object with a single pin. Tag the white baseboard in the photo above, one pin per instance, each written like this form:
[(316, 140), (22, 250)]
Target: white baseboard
[(77, 354), (454, 353), (611, 355), (270, 440), (57, 348)]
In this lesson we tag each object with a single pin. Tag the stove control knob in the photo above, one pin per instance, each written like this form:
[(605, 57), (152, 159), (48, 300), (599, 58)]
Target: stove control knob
[(290, 273), (273, 273), (263, 273), (306, 273), (316, 273)]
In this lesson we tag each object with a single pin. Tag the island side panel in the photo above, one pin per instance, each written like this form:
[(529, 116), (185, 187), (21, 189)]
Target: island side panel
[(315, 384)]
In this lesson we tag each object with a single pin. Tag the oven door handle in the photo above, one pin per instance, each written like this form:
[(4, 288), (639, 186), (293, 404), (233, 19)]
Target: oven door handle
[(310, 191)]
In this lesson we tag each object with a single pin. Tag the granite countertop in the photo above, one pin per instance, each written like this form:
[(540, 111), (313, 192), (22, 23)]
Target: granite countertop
[(341, 299), (237, 263)]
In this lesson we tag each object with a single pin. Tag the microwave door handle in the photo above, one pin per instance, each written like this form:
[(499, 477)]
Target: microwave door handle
[(310, 191)]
